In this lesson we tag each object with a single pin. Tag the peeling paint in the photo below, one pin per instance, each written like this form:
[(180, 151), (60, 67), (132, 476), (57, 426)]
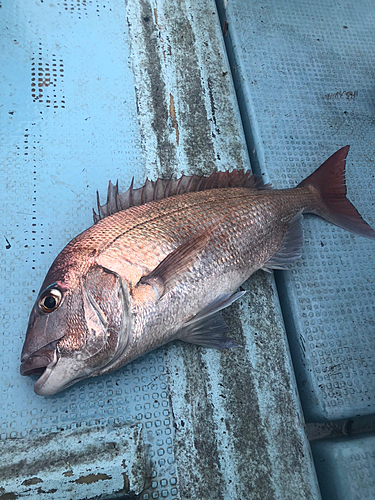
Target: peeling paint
[(212, 101), (125, 477), (250, 439), (7, 496), (199, 150), (40, 491), (32, 480), (238, 424), (179, 62), (57, 457), (151, 92), (91, 478), (118, 448), (196, 446)]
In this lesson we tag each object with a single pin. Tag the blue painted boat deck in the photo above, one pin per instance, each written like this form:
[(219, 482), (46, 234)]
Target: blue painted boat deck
[(304, 78), (99, 90)]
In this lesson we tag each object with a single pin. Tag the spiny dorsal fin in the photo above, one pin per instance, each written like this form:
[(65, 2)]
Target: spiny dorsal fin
[(164, 188)]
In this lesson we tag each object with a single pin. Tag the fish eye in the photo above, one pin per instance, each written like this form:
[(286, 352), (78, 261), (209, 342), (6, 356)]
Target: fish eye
[(50, 300)]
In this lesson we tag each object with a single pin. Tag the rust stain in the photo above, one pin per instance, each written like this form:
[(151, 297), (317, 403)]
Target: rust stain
[(126, 487), (172, 112), (46, 74), (44, 82), (41, 492), (91, 478), (156, 17), (32, 480)]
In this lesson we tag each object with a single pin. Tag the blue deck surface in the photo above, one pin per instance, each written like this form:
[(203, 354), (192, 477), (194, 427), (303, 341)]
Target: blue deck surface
[(99, 90), (303, 72)]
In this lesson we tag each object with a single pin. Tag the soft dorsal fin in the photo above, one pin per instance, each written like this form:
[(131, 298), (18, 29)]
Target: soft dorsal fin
[(164, 188)]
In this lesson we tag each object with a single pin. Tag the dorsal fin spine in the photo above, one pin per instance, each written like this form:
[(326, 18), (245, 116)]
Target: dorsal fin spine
[(118, 208), (164, 188), (155, 195), (168, 187), (180, 184), (188, 187), (131, 199), (200, 183), (143, 191)]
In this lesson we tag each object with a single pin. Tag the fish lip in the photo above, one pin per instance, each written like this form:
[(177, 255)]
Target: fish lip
[(46, 373), (34, 365), (40, 361)]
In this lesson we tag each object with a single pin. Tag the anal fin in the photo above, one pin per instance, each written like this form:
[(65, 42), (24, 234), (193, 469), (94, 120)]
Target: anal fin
[(291, 247), (208, 328)]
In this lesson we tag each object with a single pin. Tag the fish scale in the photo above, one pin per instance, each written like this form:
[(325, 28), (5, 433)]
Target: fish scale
[(160, 270), (195, 212)]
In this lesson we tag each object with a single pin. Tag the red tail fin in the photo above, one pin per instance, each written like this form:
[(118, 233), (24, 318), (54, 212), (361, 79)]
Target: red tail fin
[(329, 181)]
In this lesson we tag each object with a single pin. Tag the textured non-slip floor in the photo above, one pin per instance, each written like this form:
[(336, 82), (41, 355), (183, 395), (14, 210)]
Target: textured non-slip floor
[(303, 71)]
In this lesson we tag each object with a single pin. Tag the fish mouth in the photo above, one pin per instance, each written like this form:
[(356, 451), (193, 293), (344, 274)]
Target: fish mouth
[(40, 362), (56, 373)]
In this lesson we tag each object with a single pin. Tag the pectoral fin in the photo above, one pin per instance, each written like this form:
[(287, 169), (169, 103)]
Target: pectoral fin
[(208, 328), (177, 261)]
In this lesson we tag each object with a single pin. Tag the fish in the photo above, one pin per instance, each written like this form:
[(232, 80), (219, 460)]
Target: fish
[(160, 262)]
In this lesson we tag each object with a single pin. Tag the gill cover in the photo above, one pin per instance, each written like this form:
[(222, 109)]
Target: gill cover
[(106, 311), (97, 332)]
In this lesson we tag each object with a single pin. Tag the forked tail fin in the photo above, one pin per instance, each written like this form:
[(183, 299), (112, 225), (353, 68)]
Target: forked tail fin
[(329, 181)]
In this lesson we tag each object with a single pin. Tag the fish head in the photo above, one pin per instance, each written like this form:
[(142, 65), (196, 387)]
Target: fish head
[(78, 328)]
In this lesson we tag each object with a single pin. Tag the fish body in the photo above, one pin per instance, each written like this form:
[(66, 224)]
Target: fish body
[(163, 269)]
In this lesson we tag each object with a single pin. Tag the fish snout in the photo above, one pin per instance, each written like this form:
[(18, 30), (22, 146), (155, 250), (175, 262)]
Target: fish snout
[(37, 362)]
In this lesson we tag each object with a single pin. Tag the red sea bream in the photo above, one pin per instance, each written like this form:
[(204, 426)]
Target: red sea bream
[(162, 261)]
